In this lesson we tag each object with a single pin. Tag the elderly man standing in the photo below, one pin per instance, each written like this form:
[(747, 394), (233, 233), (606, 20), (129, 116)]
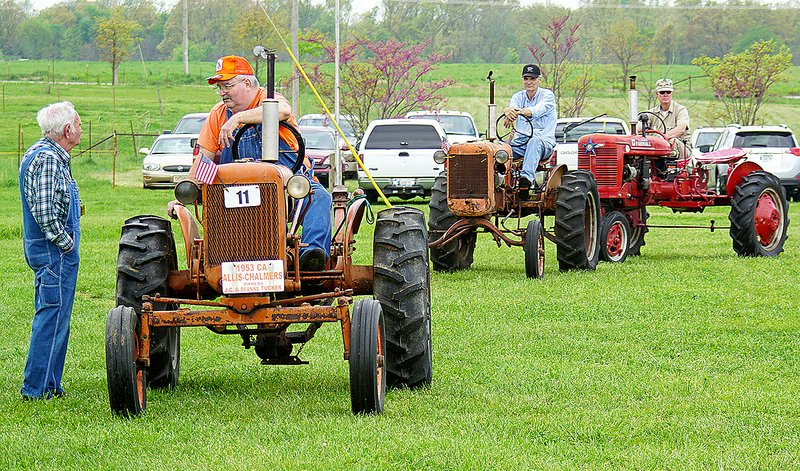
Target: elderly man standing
[(51, 211), (241, 104), (675, 117)]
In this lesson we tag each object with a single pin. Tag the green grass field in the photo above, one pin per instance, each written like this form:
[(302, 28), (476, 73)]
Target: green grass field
[(683, 358)]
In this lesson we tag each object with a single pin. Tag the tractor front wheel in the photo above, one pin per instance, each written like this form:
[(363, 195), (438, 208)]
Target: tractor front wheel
[(759, 216), (367, 358), (127, 379), (402, 284), (577, 222), (534, 250), (637, 232), (146, 255), (615, 235), (457, 254)]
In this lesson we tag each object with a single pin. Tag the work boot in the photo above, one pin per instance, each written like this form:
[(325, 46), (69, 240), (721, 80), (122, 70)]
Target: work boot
[(313, 259)]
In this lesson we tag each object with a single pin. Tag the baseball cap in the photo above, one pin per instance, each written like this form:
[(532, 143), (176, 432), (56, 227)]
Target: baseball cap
[(229, 67), (664, 84), (531, 70)]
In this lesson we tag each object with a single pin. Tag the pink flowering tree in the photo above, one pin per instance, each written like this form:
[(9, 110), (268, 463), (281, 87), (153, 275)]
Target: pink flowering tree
[(741, 81), (380, 79)]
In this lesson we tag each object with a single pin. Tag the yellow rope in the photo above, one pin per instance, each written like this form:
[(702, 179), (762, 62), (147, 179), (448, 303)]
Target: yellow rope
[(327, 111)]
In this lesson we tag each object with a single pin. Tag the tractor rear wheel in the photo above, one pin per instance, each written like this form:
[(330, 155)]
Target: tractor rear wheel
[(367, 358), (615, 235), (456, 255), (127, 379), (534, 250), (146, 255), (577, 222), (637, 233), (759, 216), (402, 284)]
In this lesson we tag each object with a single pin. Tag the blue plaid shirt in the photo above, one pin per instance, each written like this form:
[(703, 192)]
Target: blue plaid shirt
[(47, 190)]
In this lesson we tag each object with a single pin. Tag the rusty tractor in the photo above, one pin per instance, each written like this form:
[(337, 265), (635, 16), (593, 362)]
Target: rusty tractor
[(479, 192), (243, 278), (641, 170)]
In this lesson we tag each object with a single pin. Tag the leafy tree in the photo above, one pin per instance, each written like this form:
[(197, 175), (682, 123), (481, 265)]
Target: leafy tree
[(13, 14), (38, 39), (383, 79), (741, 81), (558, 39), (626, 44), (115, 37)]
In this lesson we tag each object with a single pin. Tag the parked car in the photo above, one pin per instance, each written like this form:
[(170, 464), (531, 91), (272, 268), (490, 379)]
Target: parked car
[(190, 124), (775, 148), (703, 139), (317, 119), (399, 155), (168, 161), (320, 146), (569, 130), (459, 125)]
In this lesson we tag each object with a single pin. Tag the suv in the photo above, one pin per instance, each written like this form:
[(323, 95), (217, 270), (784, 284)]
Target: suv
[(399, 155), (459, 125), (569, 130), (703, 139), (775, 148)]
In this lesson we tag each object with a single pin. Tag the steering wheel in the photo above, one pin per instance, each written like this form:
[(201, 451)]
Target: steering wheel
[(653, 130), (301, 145), (513, 130)]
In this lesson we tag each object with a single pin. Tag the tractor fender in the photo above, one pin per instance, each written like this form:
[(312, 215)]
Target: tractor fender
[(741, 171), (188, 229), (554, 177)]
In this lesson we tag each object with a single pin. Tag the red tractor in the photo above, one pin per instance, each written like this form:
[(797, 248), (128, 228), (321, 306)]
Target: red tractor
[(636, 171), (479, 193), (243, 278)]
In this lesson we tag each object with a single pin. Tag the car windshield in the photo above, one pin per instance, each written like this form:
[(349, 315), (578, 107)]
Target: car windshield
[(190, 125), (763, 139), (173, 146), (318, 140), (591, 127), (452, 124), (707, 138), (324, 121), (403, 136)]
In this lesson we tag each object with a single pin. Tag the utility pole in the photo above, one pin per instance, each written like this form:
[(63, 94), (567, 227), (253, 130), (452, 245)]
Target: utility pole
[(336, 167), (185, 37), (295, 80)]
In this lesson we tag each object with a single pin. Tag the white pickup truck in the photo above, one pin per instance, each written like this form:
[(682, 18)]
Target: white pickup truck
[(399, 155)]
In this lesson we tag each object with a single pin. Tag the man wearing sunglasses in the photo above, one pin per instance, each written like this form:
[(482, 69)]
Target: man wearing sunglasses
[(676, 118)]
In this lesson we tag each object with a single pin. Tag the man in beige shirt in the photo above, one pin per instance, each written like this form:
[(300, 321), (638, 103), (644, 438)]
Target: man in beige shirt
[(676, 118)]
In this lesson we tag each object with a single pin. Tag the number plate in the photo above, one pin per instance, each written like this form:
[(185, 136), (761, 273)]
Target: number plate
[(252, 277), (765, 157), (179, 178), (242, 196), (403, 182)]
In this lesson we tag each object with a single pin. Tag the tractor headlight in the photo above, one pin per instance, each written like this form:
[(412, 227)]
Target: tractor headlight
[(187, 192), (501, 156), (298, 187), (439, 156)]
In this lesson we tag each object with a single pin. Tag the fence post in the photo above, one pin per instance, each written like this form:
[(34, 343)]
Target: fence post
[(19, 143), (114, 164), (133, 137), (90, 138)]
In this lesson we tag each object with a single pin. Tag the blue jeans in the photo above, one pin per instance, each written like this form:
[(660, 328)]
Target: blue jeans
[(532, 153)]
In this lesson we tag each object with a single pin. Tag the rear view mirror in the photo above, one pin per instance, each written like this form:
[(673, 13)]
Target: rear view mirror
[(705, 148), (193, 142)]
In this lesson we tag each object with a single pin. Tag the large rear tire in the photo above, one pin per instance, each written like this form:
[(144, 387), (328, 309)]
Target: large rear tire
[(577, 222), (367, 358), (146, 255), (534, 250), (458, 254), (615, 235), (402, 285), (759, 216), (127, 380)]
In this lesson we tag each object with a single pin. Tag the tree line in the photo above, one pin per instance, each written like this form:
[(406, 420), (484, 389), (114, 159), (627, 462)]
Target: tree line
[(502, 31)]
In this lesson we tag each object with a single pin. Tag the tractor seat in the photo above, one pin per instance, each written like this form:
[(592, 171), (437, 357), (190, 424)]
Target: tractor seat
[(723, 156)]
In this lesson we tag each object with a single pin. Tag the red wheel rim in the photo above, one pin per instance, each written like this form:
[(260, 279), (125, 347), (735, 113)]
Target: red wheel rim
[(615, 240), (768, 219)]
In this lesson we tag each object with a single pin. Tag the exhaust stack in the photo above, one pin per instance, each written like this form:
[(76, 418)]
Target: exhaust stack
[(633, 103), (491, 130), (269, 117)]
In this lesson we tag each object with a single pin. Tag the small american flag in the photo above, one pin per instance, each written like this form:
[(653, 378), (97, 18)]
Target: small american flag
[(206, 170), (445, 146)]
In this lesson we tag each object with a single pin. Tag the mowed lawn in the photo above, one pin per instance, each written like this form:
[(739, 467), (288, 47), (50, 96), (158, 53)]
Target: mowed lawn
[(685, 357)]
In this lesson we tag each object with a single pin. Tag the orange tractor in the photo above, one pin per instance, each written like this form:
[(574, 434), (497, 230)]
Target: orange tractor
[(479, 193), (243, 278)]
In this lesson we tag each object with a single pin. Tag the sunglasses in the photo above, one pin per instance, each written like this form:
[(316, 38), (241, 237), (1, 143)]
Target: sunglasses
[(665, 92)]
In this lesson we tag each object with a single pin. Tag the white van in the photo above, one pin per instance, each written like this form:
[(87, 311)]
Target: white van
[(399, 155)]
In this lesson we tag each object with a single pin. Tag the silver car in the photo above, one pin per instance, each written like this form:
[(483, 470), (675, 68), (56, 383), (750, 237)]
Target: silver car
[(168, 161)]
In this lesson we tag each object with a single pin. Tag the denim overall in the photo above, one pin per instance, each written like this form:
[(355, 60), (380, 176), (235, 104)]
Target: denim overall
[(317, 221), (56, 276)]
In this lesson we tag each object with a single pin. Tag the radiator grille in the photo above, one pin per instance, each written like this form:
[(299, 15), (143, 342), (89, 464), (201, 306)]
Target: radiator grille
[(241, 234), (466, 176), (606, 171)]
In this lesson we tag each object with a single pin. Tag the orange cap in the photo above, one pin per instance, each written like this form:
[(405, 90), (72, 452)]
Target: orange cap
[(229, 67)]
